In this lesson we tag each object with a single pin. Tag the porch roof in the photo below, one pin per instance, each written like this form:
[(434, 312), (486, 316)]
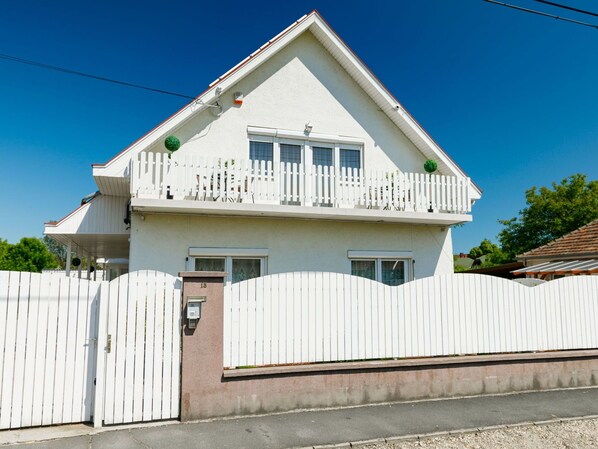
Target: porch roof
[(568, 267), (96, 228)]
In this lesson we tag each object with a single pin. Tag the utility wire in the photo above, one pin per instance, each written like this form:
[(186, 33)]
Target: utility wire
[(89, 75), (539, 13), (570, 8)]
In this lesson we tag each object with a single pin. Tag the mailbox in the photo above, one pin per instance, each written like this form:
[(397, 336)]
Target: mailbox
[(194, 304)]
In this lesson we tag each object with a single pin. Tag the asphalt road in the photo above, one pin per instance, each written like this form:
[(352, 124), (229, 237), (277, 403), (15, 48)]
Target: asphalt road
[(312, 428)]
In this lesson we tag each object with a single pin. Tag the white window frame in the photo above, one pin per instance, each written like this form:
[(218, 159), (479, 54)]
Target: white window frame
[(379, 256), (228, 254), (277, 136)]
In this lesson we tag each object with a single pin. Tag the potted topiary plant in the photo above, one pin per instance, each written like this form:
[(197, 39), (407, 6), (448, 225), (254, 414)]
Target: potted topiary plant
[(430, 166), (172, 143)]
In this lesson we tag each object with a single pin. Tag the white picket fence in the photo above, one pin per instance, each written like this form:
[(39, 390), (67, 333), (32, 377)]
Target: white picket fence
[(155, 175), (51, 327), (311, 317), (47, 349)]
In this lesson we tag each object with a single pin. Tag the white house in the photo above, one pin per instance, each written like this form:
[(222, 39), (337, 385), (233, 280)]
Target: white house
[(296, 159)]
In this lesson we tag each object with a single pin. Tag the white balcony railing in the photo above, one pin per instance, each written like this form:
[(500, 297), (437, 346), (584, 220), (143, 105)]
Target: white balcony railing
[(154, 175)]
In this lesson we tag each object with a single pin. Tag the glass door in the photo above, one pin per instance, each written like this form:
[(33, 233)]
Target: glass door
[(323, 166), (290, 174)]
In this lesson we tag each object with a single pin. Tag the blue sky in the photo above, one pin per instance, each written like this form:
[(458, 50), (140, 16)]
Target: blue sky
[(510, 96)]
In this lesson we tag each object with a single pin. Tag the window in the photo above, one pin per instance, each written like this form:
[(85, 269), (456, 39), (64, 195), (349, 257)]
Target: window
[(364, 268), (322, 156), (210, 264), (392, 272), (240, 264), (278, 148), (261, 151), (290, 153), (350, 158), (244, 269), (388, 267)]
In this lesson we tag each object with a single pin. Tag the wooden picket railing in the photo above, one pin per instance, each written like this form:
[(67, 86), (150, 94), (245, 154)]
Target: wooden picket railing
[(154, 175)]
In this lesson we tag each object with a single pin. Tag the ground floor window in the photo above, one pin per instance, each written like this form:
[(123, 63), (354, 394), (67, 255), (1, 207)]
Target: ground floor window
[(240, 264), (381, 266)]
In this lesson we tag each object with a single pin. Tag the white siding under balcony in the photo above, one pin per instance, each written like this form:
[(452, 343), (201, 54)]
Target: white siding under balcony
[(102, 215)]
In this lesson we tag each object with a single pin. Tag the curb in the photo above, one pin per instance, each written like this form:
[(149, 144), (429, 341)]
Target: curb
[(447, 433)]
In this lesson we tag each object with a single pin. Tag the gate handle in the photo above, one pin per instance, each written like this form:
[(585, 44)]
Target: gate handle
[(109, 344)]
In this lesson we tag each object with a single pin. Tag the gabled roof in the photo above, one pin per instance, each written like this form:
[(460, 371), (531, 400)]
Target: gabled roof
[(117, 166), (576, 244)]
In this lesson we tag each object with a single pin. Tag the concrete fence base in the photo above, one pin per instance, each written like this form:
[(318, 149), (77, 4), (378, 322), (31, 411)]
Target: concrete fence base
[(209, 391)]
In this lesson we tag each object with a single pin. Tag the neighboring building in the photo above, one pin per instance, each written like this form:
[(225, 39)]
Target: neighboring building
[(296, 159), (504, 270), (573, 254)]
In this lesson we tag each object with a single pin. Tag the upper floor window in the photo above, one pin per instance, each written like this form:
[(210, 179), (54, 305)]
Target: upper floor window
[(261, 151), (290, 153), (322, 156), (350, 158), (310, 153)]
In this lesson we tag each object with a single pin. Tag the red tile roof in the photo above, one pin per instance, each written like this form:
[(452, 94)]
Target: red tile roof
[(582, 241)]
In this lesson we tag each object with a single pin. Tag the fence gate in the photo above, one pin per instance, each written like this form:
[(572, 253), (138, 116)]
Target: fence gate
[(139, 348), (47, 350)]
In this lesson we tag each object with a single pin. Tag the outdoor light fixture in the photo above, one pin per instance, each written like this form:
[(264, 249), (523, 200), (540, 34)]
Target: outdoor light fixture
[(308, 128)]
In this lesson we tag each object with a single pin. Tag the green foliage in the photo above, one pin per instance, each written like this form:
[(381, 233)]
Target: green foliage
[(475, 253), (486, 247), (30, 254), (460, 268), (3, 248), (549, 214), (172, 143), (58, 250), (494, 256), (430, 165)]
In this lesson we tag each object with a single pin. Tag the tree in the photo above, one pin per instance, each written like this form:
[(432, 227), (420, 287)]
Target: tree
[(494, 254), (30, 254), (3, 248), (58, 250), (549, 214)]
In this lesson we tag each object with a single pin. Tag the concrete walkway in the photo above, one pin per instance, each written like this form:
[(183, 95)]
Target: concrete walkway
[(325, 427)]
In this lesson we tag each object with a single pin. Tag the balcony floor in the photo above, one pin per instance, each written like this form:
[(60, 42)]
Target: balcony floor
[(301, 212)]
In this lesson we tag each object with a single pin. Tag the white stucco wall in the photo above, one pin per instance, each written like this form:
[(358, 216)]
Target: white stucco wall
[(300, 84), (162, 242)]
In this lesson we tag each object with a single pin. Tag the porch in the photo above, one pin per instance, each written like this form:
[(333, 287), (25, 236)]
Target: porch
[(96, 231), (252, 186)]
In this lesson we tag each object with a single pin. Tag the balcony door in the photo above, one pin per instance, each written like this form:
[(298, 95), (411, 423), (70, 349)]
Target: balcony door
[(323, 167), (291, 180)]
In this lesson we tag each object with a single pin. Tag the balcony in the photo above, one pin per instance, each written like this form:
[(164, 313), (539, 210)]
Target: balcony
[(244, 185)]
